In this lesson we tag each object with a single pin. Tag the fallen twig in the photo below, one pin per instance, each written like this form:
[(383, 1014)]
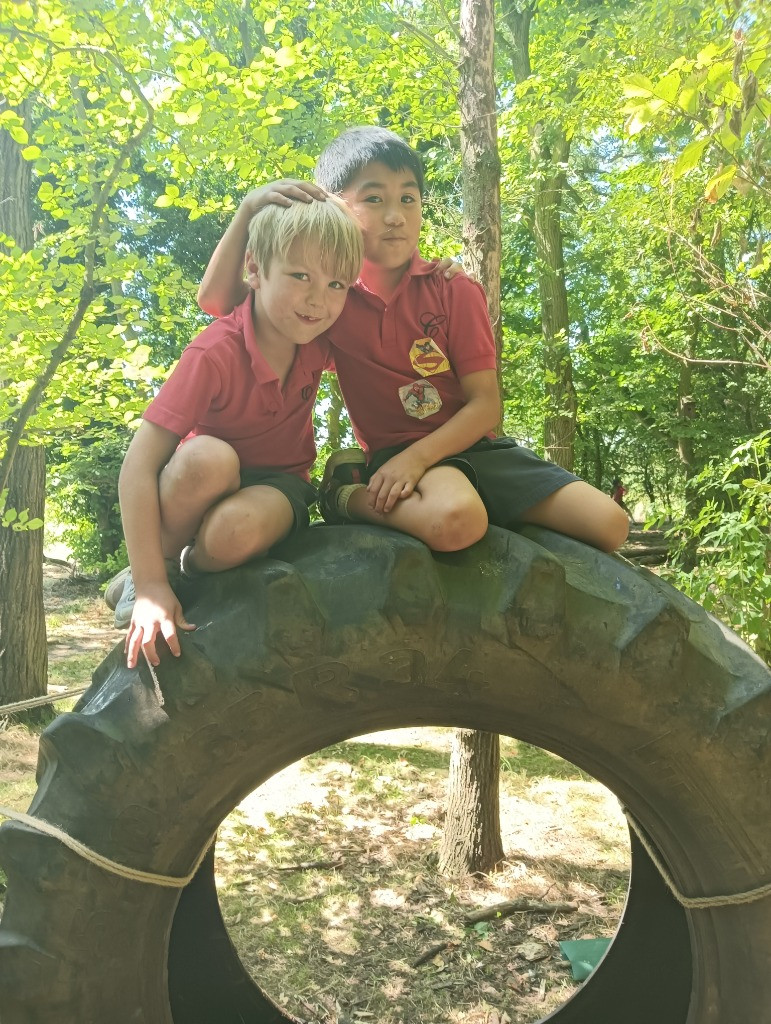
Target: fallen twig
[(509, 907), (430, 953)]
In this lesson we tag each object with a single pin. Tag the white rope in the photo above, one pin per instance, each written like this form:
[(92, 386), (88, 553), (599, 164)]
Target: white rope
[(34, 702), (53, 698), (695, 902), (121, 870)]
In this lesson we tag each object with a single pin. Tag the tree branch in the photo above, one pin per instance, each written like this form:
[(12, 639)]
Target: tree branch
[(86, 295)]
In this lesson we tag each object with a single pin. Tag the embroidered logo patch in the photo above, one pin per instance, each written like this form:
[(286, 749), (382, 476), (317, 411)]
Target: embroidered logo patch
[(420, 399), (427, 358)]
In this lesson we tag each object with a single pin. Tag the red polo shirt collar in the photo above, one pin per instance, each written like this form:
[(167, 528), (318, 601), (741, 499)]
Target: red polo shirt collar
[(418, 267), (307, 359)]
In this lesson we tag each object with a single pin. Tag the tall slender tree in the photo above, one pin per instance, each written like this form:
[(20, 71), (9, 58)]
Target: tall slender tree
[(471, 841), (23, 649), (549, 154)]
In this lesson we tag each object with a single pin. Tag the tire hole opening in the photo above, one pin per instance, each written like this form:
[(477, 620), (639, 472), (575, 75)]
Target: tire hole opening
[(328, 883)]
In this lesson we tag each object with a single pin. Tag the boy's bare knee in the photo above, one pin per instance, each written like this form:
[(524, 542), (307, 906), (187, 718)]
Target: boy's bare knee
[(229, 535), (461, 524), (616, 530), (234, 531), (204, 465)]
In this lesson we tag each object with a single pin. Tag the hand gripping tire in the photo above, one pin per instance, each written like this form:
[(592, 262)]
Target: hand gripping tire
[(360, 629)]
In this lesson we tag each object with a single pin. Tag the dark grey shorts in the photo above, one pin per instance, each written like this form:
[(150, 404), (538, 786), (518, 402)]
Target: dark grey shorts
[(299, 492), (510, 479)]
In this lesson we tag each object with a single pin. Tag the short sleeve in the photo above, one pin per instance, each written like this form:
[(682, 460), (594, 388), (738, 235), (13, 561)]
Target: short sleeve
[(188, 394), (470, 337)]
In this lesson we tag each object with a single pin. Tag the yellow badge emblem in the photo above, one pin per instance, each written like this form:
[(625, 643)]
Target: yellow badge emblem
[(427, 358)]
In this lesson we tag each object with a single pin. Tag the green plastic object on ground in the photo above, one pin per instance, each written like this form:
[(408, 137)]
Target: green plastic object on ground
[(584, 955)]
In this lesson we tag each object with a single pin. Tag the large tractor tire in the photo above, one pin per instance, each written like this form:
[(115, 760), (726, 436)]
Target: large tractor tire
[(356, 629)]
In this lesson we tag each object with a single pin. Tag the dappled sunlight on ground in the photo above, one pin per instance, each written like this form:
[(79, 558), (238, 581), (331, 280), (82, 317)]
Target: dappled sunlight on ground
[(327, 879)]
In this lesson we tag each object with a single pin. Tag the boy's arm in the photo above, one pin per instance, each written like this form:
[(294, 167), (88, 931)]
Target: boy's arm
[(223, 287), (157, 609), (397, 478)]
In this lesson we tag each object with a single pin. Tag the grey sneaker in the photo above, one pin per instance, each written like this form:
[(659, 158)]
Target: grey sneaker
[(115, 588), (124, 608)]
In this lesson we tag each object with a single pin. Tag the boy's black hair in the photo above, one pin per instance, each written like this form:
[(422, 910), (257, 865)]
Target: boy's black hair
[(354, 148)]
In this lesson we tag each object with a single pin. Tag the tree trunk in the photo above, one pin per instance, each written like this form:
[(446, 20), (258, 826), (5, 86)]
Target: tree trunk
[(471, 841), (686, 411), (334, 414), (23, 649), (550, 155), (686, 414), (480, 162), (549, 152)]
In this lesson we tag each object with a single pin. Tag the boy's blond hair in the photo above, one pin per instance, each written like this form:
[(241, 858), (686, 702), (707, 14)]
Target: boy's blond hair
[(327, 225)]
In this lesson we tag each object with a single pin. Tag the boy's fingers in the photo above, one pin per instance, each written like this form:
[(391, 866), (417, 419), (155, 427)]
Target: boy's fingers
[(375, 493), (172, 643), (391, 497), (315, 191), (170, 636), (131, 647)]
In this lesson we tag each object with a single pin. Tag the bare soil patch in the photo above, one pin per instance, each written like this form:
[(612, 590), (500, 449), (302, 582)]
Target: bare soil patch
[(78, 621)]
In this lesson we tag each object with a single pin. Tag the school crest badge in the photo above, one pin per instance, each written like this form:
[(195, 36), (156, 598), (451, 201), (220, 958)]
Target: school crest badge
[(427, 358), (420, 399)]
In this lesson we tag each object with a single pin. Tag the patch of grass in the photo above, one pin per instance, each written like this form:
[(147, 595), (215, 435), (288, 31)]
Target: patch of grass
[(534, 762), (16, 792), (71, 671), (373, 756)]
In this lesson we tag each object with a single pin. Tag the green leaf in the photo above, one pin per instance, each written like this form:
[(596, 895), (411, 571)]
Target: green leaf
[(689, 95), (668, 86), (643, 116), (638, 85), (708, 54), (718, 186), (189, 116), (31, 152), (18, 133), (689, 157), (285, 57)]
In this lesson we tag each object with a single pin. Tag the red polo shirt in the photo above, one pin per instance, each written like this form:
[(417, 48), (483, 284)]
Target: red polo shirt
[(222, 386), (399, 363)]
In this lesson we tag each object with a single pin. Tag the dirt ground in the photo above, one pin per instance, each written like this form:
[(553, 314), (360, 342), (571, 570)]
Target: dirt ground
[(327, 874)]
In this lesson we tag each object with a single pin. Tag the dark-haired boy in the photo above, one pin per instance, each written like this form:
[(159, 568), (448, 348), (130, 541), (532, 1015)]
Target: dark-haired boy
[(416, 362)]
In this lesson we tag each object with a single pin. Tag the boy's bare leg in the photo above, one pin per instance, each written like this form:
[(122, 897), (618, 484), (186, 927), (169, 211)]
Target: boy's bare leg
[(199, 474), (241, 527), (581, 511), (444, 511)]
